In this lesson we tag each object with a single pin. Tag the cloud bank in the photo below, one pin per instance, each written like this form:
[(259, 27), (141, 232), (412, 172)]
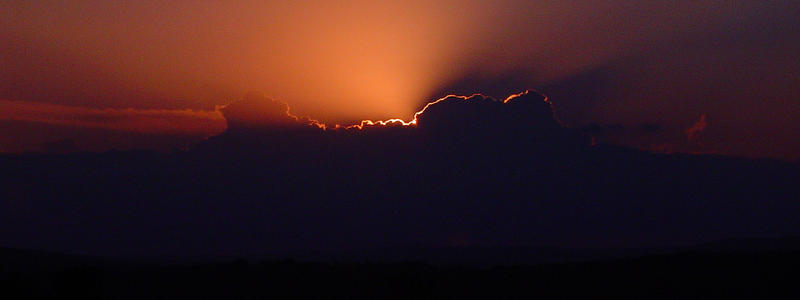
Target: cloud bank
[(30, 124), (464, 171), (477, 118)]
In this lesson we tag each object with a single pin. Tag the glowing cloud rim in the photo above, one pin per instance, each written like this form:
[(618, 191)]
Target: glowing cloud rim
[(400, 122)]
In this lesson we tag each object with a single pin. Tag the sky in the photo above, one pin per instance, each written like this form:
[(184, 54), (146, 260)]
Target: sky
[(675, 76)]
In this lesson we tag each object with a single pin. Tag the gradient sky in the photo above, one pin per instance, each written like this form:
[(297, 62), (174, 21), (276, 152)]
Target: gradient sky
[(638, 73)]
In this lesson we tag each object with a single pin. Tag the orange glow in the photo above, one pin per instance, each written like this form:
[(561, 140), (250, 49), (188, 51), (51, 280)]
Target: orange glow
[(346, 61), (337, 61), (413, 122)]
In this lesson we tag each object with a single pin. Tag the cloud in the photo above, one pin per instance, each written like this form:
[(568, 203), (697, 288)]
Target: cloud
[(255, 110), (153, 121), (450, 132), (693, 133), (484, 170), (476, 116), (31, 126)]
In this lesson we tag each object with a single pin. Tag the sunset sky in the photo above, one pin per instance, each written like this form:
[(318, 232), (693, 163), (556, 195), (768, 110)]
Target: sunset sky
[(152, 74), (476, 132)]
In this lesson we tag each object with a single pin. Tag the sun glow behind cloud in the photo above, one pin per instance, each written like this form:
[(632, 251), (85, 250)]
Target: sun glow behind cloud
[(338, 61), (620, 61)]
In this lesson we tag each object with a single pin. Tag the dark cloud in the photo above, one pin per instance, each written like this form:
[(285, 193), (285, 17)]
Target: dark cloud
[(577, 97), (747, 91), (693, 133), (602, 130), (256, 110), (473, 122), (467, 171)]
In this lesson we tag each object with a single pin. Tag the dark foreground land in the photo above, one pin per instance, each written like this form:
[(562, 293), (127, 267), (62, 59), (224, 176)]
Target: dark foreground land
[(698, 274)]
